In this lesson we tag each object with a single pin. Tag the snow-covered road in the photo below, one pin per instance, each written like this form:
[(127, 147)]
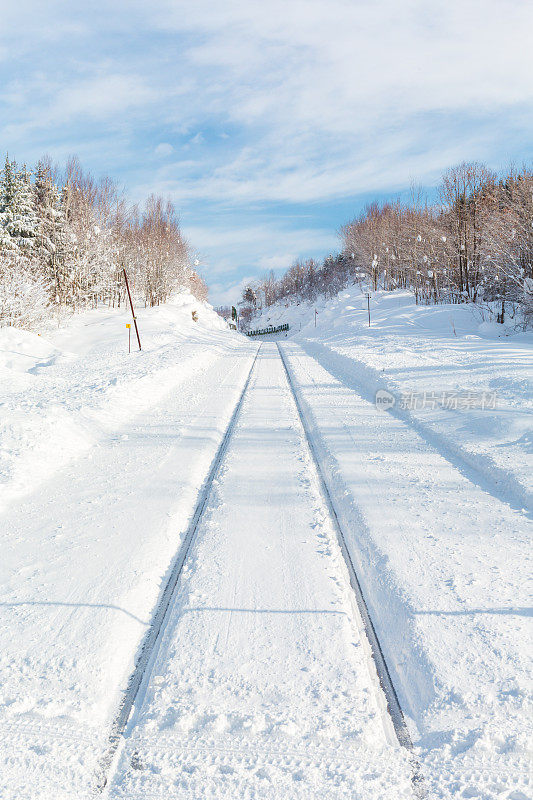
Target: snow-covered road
[(263, 686)]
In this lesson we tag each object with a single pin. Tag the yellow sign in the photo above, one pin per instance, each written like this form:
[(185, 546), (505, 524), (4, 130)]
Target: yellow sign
[(128, 325)]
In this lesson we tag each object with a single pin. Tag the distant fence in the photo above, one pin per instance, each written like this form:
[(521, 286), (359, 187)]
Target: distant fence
[(270, 329)]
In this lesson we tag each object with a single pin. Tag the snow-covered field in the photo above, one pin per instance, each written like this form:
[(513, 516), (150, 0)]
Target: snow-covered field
[(439, 500), (63, 391), (439, 362), (262, 685), (445, 568)]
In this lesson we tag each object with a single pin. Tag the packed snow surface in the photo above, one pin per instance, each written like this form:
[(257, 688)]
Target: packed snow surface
[(262, 685), (245, 699)]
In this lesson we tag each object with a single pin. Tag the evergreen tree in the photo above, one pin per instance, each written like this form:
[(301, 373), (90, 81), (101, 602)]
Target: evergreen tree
[(7, 191), (18, 218)]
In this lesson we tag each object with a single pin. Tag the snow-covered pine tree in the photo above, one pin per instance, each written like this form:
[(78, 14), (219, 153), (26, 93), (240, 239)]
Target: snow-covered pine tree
[(18, 218), (7, 191), (23, 287)]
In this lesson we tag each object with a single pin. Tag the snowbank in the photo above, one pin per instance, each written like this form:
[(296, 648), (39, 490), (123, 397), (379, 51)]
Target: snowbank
[(62, 391), (22, 351)]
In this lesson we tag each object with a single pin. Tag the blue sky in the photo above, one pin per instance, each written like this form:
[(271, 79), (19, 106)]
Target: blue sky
[(268, 123)]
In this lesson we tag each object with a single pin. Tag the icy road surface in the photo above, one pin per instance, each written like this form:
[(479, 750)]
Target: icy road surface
[(263, 686)]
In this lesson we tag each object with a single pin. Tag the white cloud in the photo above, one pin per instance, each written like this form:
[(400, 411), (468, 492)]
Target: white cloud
[(339, 62), (164, 149), (277, 262), (338, 95), (221, 294), (102, 96), (299, 101), (105, 97), (328, 98), (273, 244)]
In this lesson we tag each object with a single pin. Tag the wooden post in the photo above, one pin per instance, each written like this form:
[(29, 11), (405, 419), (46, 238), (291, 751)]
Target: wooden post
[(131, 306)]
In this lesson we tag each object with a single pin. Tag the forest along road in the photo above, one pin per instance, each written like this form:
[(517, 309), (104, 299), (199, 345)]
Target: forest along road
[(262, 685)]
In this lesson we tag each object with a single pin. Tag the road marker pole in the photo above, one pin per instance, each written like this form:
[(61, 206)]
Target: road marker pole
[(128, 326), (131, 306)]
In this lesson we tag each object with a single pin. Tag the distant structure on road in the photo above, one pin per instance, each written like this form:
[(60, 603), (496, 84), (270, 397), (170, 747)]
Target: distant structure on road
[(228, 313), (270, 329)]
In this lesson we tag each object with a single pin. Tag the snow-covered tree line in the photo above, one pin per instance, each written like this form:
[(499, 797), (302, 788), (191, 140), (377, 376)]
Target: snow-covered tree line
[(474, 245), (65, 239), (306, 279)]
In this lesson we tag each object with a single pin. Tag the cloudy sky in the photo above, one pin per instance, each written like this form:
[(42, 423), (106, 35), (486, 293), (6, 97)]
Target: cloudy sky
[(268, 123)]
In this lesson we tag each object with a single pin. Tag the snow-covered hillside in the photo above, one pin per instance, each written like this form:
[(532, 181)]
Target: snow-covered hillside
[(440, 363)]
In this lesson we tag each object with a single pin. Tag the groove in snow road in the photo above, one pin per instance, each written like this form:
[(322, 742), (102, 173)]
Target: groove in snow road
[(393, 704), (152, 635), (235, 661)]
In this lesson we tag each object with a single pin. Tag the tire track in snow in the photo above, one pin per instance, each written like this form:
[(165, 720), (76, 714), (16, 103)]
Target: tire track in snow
[(393, 704), (150, 644)]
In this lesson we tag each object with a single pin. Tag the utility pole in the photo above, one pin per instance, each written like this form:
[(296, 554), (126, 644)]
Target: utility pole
[(131, 306)]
